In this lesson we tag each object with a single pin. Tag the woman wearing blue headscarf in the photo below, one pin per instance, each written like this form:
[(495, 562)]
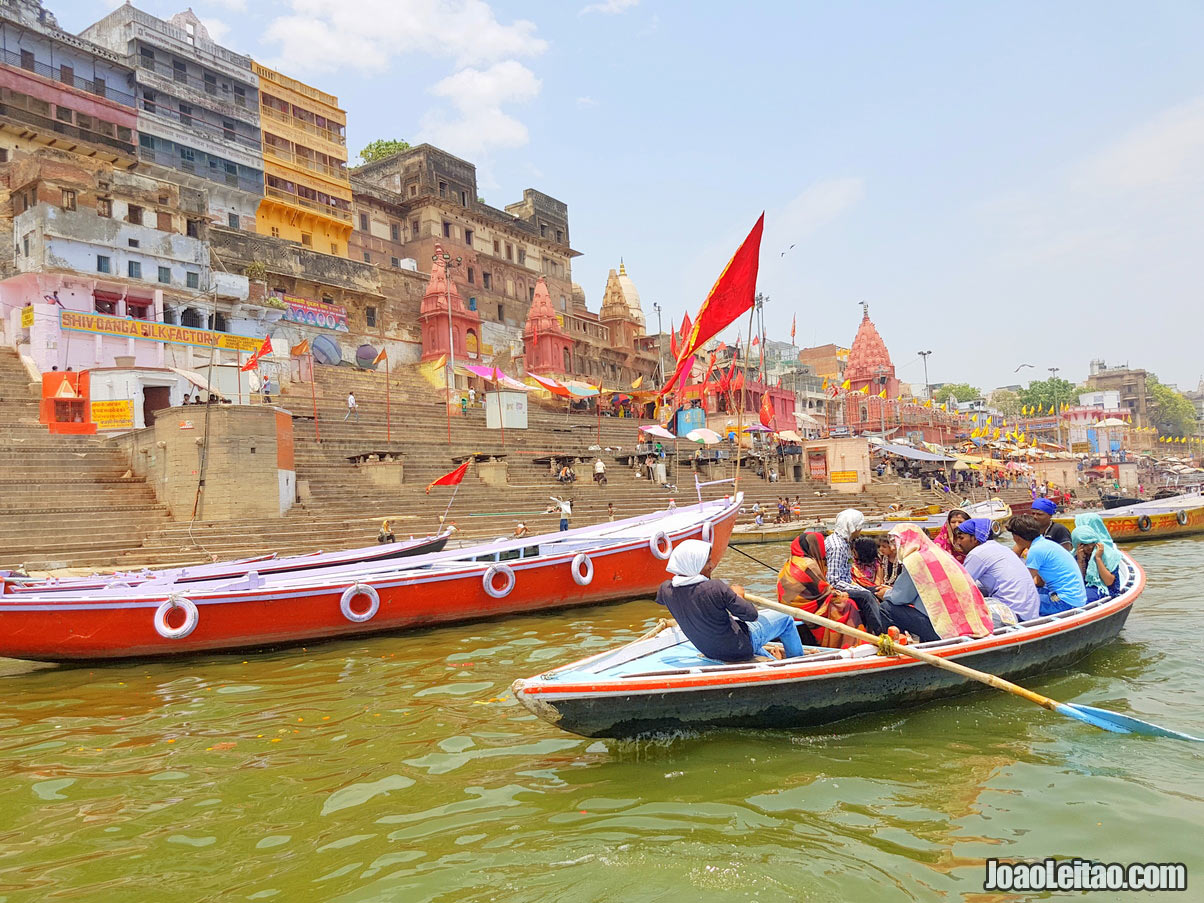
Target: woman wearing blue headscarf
[(1097, 555)]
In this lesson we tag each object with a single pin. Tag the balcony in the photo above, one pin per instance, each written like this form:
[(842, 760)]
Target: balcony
[(160, 77), (45, 125), (54, 73), (301, 125), (316, 206), (214, 131), (338, 173)]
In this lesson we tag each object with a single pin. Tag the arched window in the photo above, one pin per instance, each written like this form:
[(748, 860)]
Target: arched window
[(471, 345), (568, 361)]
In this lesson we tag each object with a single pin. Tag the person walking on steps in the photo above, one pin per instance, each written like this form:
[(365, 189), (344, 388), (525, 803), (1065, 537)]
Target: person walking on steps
[(352, 408)]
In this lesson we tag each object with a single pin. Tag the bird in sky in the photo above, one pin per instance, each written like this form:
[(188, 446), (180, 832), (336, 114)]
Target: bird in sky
[(783, 254), (1021, 367)]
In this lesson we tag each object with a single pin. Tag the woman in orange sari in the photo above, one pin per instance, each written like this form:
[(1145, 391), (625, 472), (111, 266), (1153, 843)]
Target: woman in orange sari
[(801, 583)]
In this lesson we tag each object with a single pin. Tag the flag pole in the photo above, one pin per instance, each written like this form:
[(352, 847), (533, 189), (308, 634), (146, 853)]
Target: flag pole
[(388, 411), (447, 510), (238, 357), (313, 388)]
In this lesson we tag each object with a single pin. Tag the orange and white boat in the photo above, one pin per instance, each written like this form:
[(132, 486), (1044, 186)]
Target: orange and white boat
[(1170, 518)]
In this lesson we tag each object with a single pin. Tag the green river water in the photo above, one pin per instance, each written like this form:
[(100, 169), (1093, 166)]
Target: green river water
[(399, 768)]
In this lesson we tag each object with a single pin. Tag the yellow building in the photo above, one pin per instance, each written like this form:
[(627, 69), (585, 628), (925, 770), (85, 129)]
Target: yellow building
[(307, 190)]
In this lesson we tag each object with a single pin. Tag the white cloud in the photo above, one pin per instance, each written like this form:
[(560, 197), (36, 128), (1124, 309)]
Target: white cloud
[(477, 122), (218, 29), (609, 7), (586, 102), (1165, 152), (367, 35), (813, 208)]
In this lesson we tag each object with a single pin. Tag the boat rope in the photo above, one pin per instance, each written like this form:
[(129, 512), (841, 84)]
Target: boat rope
[(886, 645)]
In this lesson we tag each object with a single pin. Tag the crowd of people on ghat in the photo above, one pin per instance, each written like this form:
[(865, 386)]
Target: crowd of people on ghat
[(965, 582)]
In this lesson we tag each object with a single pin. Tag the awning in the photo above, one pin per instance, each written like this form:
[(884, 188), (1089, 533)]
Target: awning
[(493, 374), (906, 451), (197, 380), (790, 436), (801, 418), (659, 431)]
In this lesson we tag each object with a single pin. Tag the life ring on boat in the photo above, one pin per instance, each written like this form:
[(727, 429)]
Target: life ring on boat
[(492, 571), (660, 545), (353, 592), (191, 618), (1181, 518), (708, 532), (996, 528), (1144, 523), (582, 577)]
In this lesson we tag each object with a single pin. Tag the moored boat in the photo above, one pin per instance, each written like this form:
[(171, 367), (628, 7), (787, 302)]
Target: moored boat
[(603, 563), (262, 565), (1170, 518), (661, 683), (996, 510)]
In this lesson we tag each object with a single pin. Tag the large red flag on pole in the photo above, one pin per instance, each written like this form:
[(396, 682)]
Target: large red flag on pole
[(450, 479), (253, 360), (731, 295)]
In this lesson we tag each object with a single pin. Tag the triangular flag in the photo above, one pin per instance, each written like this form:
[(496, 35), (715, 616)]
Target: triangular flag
[(824, 387), (300, 348), (846, 385), (639, 381), (253, 360), (383, 356), (450, 479), (882, 394)]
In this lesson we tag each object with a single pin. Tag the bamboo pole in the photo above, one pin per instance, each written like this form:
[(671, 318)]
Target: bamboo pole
[(313, 388)]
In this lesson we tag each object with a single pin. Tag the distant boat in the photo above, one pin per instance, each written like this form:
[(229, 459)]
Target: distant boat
[(603, 563), (661, 683), (1170, 518)]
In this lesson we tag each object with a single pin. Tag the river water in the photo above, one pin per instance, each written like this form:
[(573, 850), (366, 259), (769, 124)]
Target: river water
[(399, 768)]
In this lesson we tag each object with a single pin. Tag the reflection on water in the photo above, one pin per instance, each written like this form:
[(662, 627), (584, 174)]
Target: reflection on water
[(399, 768)]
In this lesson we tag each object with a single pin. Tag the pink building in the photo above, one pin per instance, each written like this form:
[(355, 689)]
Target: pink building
[(869, 361), (441, 293)]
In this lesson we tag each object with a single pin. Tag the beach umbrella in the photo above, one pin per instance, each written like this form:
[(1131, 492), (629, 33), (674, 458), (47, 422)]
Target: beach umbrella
[(659, 431), (704, 435)]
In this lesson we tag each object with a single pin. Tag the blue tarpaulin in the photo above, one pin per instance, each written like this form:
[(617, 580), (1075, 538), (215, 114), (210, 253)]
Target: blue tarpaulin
[(906, 451)]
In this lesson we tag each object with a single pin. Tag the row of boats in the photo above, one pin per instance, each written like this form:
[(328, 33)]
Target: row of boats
[(657, 683)]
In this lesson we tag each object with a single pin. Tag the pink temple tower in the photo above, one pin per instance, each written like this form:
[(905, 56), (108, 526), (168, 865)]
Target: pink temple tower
[(869, 360), (432, 315), (547, 347)]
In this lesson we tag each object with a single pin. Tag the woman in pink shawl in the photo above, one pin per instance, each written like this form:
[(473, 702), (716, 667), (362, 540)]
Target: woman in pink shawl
[(933, 584), (944, 537)]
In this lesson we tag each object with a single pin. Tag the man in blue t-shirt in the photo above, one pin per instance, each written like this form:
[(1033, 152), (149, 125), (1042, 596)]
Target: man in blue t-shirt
[(1055, 572)]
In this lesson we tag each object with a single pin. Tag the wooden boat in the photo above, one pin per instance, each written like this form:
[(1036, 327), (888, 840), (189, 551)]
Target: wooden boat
[(1171, 518), (997, 510), (263, 565), (603, 563), (1119, 501), (661, 682)]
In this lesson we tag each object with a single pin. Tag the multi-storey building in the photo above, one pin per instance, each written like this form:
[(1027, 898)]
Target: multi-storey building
[(1131, 384), (198, 107), (57, 90), (307, 189)]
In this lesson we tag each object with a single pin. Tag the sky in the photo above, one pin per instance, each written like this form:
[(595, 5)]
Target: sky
[(1003, 183)]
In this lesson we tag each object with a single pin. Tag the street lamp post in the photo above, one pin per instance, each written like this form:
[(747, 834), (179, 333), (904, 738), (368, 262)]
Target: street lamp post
[(1053, 376), (660, 346), (882, 401), (451, 338)]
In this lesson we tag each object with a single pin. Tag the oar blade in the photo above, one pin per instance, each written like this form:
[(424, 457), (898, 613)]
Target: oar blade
[(1121, 724)]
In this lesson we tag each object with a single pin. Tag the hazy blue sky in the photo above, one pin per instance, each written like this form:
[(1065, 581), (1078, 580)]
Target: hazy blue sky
[(1002, 182)]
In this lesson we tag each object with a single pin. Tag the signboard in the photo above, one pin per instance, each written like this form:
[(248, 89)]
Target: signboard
[(26, 316), (117, 414), (1080, 448), (304, 312), (843, 476), (690, 419), (506, 410), (153, 331), (838, 432), (817, 465)]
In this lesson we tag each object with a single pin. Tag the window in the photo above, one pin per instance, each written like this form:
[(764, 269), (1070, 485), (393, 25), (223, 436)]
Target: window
[(68, 199), (509, 251), (395, 262), (559, 236), (395, 231), (501, 314), (165, 275), (67, 75), (413, 228), (446, 229), (472, 303), (275, 231), (84, 122), (487, 281), (185, 114), (134, 215), (468, 237), (98, 86), (179, 71), (134, 268), (334, 248), (134, 243), (27, 61), (543, 230), (163, 221), (240, 95), (442, 185), (531, 293), (370, 315), (3, 154), (307, 239), (497, 246), (472, 276), (103, 264), (25, 245), (148, 102), (522, 257), (233, 221), (104, 207), (138, 309), (413, 191), (146, 56), (193, 228), (463, 198), (63, 114), (363, 222), (367, 257), (105, 305), (192, 280), (210, 83)]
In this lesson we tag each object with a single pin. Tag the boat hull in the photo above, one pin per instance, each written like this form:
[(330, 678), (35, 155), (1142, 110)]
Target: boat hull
[(1167, 523), (785, 696), (102, 627)]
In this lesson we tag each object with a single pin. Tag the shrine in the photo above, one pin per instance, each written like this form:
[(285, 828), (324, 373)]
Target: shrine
[(442, 294)]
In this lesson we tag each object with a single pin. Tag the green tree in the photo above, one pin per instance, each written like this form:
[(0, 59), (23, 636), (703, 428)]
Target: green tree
[(1006, 402), (1048, 393), (383, 147), (960, 391), (1170, 411)]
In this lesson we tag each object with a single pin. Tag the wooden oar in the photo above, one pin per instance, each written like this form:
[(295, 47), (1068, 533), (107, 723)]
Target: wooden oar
[(1101, 718)]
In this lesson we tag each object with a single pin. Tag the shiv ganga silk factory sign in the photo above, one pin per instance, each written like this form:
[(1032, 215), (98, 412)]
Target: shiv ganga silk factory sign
[(153, 331)]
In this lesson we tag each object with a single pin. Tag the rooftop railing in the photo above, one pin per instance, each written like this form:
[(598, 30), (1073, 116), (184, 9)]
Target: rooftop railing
[(98, 87)]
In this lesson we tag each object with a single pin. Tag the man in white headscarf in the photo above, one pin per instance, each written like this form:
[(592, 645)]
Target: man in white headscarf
[(849, 524), (715, 617)]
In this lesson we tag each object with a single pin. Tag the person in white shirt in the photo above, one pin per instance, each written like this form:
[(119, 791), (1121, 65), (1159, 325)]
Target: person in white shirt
[(352, 408), (472, 396)]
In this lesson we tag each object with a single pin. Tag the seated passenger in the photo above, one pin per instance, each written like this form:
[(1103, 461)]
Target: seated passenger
[(1000, 575), (933, 597), (944, 536), (867, 568), (1055, 572), (888, 557), (1099, 559), (385, 534), (801, 583), (1043, 511), (840, 570), (714, 616)]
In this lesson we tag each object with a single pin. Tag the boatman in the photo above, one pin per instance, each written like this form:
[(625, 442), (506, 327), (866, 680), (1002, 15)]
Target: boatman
[(715, 617), (1043, 510)]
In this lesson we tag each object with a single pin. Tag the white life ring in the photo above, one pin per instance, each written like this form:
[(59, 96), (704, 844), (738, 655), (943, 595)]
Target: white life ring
[(660, 545), (492, 571), (582, 577), (354, 591), (1181, 518), (191, 618), (708, 531)]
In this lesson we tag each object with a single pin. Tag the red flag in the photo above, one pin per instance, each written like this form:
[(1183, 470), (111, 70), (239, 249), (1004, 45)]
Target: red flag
[(756, 341), (450, 479), (732, 293), (766, 411), (725, 379), (673, 344), (685, 328), (710, 369), (253, 360), (792, 325)]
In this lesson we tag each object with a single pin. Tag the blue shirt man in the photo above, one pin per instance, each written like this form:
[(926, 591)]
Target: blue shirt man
[(1055, 572)]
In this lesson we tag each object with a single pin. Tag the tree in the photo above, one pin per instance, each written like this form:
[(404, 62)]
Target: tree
[(1006, 402), (1047, 393), (382, 148), (960, 391), (1170, 411)]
